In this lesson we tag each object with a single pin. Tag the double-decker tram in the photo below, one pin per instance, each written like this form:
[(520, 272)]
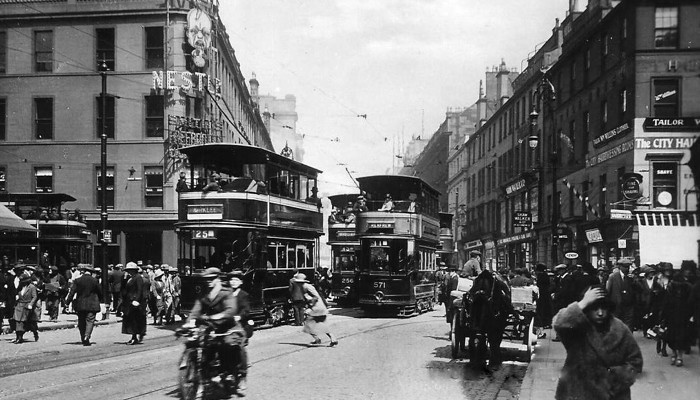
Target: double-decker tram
[(446, 251), (62, 236), (345, 248), (398, 244), (246, 208)]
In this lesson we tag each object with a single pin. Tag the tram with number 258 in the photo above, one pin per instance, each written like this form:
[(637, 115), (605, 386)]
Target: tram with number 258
[(246, 208), (399, 237)]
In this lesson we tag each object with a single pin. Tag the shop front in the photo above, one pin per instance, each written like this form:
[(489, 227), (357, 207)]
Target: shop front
[(517, 251)]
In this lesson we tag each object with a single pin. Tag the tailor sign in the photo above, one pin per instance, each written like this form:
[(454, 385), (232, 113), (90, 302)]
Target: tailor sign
[(671, 124)]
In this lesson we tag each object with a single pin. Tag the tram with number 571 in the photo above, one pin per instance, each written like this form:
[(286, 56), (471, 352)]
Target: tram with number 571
[(247, 208), (399, 237)]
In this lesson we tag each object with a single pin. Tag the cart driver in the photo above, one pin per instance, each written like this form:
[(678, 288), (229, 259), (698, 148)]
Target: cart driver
[(472, 268)]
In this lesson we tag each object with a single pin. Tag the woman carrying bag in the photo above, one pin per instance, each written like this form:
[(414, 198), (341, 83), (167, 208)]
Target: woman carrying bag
[(316, 312)]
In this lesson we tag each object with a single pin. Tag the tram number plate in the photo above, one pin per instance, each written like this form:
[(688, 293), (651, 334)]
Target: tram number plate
[(380, 285), (347, 281), (203, 234)]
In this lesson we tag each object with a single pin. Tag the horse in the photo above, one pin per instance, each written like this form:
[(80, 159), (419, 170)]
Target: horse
[(490, 307)]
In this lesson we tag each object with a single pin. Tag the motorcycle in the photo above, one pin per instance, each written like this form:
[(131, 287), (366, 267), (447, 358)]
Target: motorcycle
[(201, 373)]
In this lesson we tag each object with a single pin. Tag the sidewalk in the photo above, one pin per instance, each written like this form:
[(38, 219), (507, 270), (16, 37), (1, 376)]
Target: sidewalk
[(65, 321), (658, 379)]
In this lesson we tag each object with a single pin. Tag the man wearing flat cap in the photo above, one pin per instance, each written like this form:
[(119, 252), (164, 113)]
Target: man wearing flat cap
[(86, 296), (472, 268), (53, 289), (115, 278)]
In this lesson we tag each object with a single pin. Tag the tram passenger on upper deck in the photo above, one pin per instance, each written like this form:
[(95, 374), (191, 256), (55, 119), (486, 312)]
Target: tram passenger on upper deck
[(360, 204), (413, 207), (213, 185), (388, 204), (182, 183), (349, 214)]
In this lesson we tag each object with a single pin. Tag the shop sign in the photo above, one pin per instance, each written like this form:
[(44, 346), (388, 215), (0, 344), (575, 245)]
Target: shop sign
[(473, 244), (210, 211), (611, 153), (572, 255), (515, 187), (522, 219), (671, 124), (594, 236), (107, 236), (611, 135), (664, 143), (631, 189), (515, 238), (621, 214), (346, 234), (185, 81), (621, 243)]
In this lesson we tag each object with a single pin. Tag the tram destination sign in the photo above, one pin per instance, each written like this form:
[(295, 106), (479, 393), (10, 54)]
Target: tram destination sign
[(380, 225), (206, 211)]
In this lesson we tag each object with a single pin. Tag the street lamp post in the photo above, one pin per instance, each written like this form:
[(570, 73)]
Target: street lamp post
[(545, 91), (103, 180)]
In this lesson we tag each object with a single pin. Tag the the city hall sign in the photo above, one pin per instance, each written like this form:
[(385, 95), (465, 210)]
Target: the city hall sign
[(185, 81)]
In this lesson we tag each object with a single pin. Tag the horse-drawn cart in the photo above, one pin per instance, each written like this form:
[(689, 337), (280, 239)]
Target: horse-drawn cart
[(465, 333)]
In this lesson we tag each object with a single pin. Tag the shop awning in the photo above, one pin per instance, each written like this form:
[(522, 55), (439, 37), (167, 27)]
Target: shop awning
[(667, 236), (11, 222)]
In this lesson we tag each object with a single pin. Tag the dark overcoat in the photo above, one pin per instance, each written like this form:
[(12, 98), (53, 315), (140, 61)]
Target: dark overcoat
[(87, 292), (600, 364), (544, 301), (676, 313), (134, 317), (25, 303)]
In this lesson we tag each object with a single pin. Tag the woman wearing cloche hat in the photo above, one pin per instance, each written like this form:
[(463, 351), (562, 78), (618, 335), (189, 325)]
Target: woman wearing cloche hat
[(316, 312), (134, 305), (24, 308)]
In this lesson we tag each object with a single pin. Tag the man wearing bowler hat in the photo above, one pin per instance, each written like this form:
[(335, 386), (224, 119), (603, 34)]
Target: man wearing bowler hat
[(88, 296)]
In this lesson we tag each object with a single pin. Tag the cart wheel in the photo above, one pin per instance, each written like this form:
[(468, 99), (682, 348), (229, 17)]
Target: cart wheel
[(531, 339), (455, 334)]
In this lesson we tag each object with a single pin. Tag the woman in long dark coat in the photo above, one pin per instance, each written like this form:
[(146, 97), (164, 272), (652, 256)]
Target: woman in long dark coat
[(675, 315), (24, 307), (543, 312), (133, 304)]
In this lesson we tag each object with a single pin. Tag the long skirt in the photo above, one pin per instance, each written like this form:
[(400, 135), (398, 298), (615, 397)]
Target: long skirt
[(316, 325), (133, 320)]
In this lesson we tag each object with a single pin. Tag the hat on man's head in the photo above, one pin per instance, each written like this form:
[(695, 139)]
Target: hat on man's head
[(475, 253), (300, 278), (388, 196), (54, 268), (173, 270), (540, 267), (131, 266), (119, 266), (159, 273), (211, 273), (25, 279), (87, 268), (30, 267), (560, 267)]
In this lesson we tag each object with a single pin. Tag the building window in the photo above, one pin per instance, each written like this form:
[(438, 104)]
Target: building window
[(193, 107), (665, 184), (109, 121), (584, 194), (3, 119), (43, 51), (604, 113), (3, 180), (43, 179), (154, 116), (666, 98), (606, 44), (154, 186), (3, 52), (109, 185), (666, 27), (43, 118), (572, 141), (154, 47), (603, 199), (623, 102), (586, 132), (105, 47)]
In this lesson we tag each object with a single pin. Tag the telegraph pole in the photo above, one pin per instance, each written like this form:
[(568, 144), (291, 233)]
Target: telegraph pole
[(103, 184)]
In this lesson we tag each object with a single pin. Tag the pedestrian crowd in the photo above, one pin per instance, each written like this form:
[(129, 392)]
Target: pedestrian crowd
[(26, 291)]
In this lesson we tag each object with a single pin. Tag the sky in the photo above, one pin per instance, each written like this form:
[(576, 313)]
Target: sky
[(402, 63)]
